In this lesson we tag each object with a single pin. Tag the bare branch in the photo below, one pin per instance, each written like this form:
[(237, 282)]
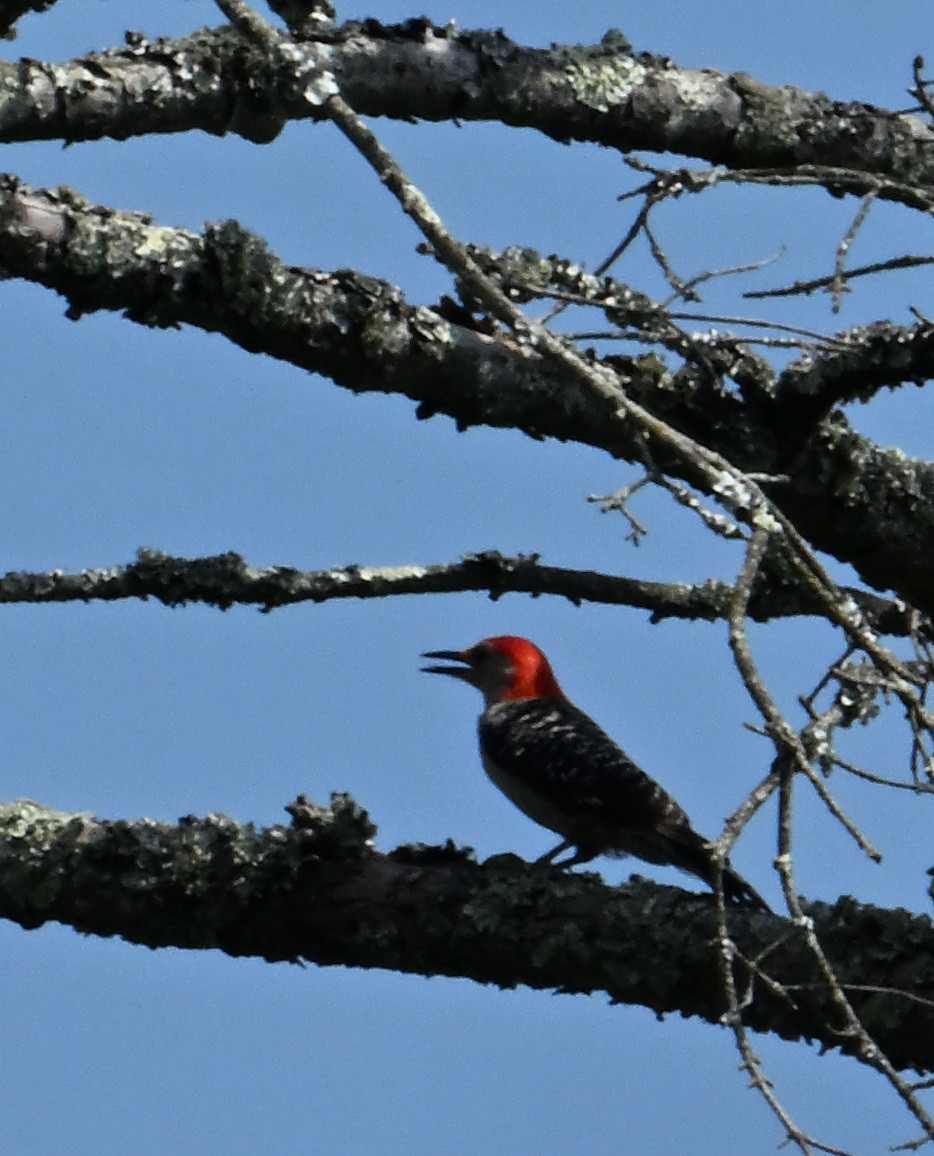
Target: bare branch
[(803, 288), (318, 891), (226, 580), (749, 975), (733, 1019), (227, 281), (604, 93), (922, 88), (838, 285), (838, 181), (859, 365)]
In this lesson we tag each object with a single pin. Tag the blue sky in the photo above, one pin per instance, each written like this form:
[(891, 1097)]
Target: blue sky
[(113, 437)]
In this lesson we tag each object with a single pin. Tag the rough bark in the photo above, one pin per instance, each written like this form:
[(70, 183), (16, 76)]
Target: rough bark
[(608, 93), (318, 891), (226, 580), (871, 507)]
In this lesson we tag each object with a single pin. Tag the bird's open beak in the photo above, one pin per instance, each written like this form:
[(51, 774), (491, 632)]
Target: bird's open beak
[(463, 672)]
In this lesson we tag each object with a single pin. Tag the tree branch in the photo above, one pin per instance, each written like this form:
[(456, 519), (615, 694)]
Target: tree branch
[(364, 335), (861, 363), (226, 580), (318, 891), (605, 93)]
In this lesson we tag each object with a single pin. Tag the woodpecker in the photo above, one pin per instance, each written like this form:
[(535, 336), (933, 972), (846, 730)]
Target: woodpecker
[(559, 767)]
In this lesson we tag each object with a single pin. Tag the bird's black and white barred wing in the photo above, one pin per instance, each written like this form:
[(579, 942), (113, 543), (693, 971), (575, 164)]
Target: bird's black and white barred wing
[(566, 772)]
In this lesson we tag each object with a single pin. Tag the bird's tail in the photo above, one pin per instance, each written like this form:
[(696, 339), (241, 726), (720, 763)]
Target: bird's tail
[(739, 891), (693, 855)]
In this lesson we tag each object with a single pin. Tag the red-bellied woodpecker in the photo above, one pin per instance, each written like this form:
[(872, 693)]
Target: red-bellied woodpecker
[(567, 774)]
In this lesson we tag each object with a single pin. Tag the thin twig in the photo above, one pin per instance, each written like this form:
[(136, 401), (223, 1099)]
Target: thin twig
[(791, 754), (688, 289), (922, 86), (618, 501), (837, 811), (824, 340), (880, 780), (852, 1026), (837, 283), (803, 288)]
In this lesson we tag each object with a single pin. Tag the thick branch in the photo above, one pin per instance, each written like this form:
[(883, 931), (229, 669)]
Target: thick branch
[(879, 356), (870, 507), (607, 93), (318, 891), (226, 580), (853, 365)]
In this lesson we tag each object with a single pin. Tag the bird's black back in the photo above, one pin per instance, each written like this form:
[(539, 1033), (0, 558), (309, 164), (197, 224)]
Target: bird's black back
[(565, 772)]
